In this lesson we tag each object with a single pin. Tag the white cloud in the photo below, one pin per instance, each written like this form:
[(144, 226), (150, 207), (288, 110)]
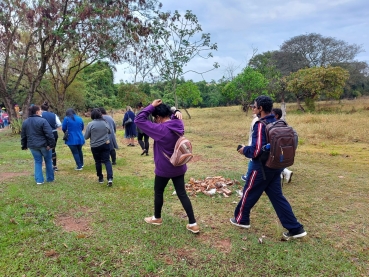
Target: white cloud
[(239, 26)]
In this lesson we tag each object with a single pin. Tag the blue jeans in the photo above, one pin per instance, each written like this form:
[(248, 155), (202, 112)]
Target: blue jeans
[(101, 156), (77, 154), (38, 154)]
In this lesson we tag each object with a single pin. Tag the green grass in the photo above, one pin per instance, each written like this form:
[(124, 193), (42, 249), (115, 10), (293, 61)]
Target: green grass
[(329, 194)]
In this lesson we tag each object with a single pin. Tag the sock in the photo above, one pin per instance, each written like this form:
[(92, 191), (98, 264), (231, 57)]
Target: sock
[(193, 224)]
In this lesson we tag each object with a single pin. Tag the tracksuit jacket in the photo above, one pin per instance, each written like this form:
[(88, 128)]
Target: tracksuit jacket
[(255, 184)]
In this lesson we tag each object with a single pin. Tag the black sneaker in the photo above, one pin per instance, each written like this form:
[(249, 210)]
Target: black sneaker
[(55, 168), (243, 178), (101, 180), (295, 233), (234, 222), (110, 182), (113, 163)]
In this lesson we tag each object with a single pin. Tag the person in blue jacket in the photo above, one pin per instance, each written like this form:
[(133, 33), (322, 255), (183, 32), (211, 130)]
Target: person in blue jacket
[(74, 125), (257, 183)]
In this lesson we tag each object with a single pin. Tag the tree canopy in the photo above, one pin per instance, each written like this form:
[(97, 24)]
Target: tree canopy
[(311, 83), (35, 33), (246, 86)]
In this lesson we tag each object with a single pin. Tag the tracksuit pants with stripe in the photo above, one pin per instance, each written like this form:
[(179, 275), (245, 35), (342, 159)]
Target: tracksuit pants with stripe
[(255, 186)]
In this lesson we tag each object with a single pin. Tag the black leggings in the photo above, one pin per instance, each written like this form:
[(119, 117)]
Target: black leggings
[(179, 185)]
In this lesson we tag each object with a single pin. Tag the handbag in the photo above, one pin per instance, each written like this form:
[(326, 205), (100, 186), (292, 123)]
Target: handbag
[(129, 121), (66, 135)]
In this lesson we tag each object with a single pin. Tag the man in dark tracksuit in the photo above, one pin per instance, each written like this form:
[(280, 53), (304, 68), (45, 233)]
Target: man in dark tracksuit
[(256, 183)]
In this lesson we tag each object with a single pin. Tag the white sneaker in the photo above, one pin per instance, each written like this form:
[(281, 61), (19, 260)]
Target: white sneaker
[(287, 174)]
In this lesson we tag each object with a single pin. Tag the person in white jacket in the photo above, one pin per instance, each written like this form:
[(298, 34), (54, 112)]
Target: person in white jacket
[(254, 120)]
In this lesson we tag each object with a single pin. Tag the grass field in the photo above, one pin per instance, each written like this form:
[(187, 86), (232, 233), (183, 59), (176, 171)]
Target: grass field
[(78, 227)]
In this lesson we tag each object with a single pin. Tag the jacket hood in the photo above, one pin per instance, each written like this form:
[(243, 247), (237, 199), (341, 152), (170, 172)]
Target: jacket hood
[(175, 125)]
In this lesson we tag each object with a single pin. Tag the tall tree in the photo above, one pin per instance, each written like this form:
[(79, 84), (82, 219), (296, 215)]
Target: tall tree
[(32, 33), (314, 50), (178, 41)]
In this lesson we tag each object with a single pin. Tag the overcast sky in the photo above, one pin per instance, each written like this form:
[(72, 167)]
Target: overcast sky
[(239, 26)]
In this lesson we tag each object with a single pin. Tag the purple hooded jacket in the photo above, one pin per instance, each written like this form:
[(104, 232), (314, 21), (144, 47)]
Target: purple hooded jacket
[(165, 137)]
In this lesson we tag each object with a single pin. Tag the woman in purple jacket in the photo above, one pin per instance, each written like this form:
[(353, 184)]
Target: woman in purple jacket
[(165, 132)]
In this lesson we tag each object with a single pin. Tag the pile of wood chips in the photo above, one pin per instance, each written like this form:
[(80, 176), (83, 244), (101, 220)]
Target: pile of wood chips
[(212, 186)]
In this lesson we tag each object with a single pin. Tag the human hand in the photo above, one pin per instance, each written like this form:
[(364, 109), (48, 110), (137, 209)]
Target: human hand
[(241, 149), (48, 148), (156, 102), (178, 114)]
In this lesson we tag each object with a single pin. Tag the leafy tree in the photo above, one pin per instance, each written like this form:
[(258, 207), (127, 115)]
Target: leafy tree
[(177, 42), (246, 86), (311, 83), (188, 94), (313, 50), (357, 83), (100, 89), (130, 95), (35, 32), (266, 65)]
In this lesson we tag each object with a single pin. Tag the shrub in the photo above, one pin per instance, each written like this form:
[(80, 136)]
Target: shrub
[(16, 125)]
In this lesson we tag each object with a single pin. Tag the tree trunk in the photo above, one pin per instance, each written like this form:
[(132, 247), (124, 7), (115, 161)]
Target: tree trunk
[(174, 86), (299, 104), (189, 116), (283, 108)]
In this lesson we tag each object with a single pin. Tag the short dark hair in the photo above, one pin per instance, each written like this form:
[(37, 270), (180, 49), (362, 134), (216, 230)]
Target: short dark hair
[(45, 106), (96, 114), (162, 110), (102, 110), (277, 112), (266, 102), (139, 105), (33, 109)]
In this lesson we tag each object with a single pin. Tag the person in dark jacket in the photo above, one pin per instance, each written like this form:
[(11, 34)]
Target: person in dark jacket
[(55, 123), (164, 131), (112, 138), (38, 137), (256, 183), (98, 131), (129, 126), (74, 125)]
